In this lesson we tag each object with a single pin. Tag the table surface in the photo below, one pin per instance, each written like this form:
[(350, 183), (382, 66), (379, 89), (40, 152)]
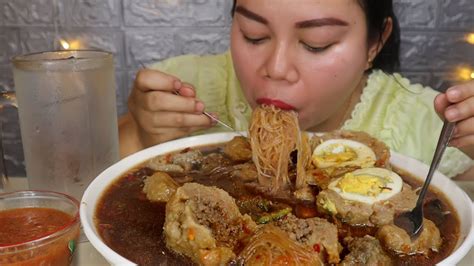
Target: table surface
[(88, 255)]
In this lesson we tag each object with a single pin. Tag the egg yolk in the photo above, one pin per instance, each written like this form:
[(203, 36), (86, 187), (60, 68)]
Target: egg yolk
[(366, 185), (336, 153)]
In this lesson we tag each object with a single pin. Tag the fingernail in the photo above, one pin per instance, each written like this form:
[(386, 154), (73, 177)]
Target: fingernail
[(199, 107), (452, 114), (177, 85), (454, 94)]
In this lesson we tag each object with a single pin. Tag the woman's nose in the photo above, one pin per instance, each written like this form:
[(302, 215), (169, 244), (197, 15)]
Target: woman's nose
[(280, 65)]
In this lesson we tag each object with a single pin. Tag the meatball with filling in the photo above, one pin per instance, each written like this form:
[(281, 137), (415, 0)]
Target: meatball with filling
[(322, 176), (183, 161), (238, 149), (398, 240), (365, 251), (159, 187), (360, 213), (316, 233), (205, 224)]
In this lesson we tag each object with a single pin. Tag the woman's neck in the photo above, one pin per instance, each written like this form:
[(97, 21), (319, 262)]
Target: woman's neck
[(337, 120)]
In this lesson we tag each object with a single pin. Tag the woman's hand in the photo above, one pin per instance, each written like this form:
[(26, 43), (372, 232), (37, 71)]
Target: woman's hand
[(457, 105), (158, 113)]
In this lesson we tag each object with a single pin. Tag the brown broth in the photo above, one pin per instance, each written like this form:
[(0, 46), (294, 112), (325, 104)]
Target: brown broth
[(132, 226)]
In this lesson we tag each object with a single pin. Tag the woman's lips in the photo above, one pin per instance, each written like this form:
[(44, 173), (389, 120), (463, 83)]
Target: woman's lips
[(277, 103)]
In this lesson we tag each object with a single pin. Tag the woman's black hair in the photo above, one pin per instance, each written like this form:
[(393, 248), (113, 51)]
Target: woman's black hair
[(376, 13)]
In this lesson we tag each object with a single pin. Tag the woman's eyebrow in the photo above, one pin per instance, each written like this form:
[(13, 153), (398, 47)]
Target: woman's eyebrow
[(250, 15), (319, 22)]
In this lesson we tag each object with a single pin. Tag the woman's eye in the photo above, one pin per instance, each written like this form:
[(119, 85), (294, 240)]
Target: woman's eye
[(313, 49), (254, 40)]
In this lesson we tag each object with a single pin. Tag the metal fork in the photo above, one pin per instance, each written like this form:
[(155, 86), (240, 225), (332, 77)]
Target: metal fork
[(204, 112), (412, 221), (215, 119)]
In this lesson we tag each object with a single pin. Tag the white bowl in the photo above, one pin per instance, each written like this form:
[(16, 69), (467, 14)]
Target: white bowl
[(458, 197)]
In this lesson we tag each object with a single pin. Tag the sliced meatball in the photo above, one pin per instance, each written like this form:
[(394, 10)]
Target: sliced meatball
[(351, 212), (316, 233), (358, 213), (238, 149), (159, 187), (384, 211), (382, 152), (398, 240), (318, 177), (204, 224), (365, 251)]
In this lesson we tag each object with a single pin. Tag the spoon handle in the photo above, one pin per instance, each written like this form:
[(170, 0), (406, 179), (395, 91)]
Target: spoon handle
[(444, 138)]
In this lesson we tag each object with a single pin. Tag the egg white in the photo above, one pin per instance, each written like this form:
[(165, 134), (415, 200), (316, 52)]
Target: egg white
[(395, 186), (365, 156)]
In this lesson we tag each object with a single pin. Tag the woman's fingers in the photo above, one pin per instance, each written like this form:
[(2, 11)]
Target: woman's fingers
[(165, 101), (464, 127), (152, 122), (440, 104), (460, 92), (461, 142), (165, 108), (187, 90), (457, 105), (461, 110), (152, 80), (179, 120)]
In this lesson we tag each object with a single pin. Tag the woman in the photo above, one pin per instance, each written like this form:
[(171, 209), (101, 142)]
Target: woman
[(328, 60)]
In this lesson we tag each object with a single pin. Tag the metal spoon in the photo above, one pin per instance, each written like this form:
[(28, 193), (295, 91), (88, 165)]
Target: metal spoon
[(412, 221)]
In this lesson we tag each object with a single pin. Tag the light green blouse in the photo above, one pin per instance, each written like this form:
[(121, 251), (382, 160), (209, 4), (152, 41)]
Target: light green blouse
[(401, 116)]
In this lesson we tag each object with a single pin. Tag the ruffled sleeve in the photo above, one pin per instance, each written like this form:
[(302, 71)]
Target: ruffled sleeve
[(402, 115)]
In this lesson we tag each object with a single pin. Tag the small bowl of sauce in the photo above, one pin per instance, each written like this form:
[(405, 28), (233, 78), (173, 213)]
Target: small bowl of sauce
[(38, 228)]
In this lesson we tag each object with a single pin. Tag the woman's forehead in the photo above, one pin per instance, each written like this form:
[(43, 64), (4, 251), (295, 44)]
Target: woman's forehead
[(302, 9)]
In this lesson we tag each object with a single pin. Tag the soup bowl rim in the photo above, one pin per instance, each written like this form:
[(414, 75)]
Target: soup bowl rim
[(95, 190)]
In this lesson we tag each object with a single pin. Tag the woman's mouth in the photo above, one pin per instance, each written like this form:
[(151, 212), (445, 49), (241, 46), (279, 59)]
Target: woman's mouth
[(277, 103)]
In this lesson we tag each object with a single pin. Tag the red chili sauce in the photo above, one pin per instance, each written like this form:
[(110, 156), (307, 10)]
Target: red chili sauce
[(26, 224), (18, 226)]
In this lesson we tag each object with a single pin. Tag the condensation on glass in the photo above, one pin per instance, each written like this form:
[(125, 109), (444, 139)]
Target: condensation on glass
[(68, 119)]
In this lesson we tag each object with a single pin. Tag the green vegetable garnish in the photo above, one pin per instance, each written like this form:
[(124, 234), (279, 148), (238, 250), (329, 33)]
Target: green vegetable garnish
[(273, 216)]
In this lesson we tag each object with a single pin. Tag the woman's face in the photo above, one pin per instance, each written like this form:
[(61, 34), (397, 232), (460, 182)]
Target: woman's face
[(307, 55)]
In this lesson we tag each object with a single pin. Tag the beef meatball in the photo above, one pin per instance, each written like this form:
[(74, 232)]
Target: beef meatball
[(316, 233), (359, 213), (396, 239), (159, 187), (238, 149), (365, 251), (205, 224), (381, 151)]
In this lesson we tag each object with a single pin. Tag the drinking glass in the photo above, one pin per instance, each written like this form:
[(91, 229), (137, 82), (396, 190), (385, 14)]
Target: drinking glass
[(68, 120)]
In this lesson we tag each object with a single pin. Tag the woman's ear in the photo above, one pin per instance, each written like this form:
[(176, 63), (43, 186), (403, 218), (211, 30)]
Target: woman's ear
[(376, 45)]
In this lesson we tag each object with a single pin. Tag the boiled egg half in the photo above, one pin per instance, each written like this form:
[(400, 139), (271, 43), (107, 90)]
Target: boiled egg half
[(342, 153), (368, 185)]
